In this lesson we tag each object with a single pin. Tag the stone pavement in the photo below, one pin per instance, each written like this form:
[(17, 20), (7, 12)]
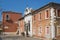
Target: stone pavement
[(17, 38)]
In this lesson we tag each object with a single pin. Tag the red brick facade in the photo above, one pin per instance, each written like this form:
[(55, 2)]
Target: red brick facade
[(10, 25), (41, 21), (21, 23)]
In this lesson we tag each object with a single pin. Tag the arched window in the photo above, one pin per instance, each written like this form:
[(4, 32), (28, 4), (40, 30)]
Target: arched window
[(7, 17)]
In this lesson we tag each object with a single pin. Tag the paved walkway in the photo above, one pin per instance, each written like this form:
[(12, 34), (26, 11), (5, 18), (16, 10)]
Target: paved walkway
[(17, 38)]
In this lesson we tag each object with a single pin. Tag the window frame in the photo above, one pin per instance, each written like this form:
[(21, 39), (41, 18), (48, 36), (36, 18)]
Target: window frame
[(46, 14), (57, 30), (57, 13), (6, 27), (40, 30), (34, 30), (39, 18), (46, 30), (34, 17), (6, 17)]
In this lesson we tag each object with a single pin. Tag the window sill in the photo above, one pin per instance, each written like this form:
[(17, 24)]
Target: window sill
[(46, 18)]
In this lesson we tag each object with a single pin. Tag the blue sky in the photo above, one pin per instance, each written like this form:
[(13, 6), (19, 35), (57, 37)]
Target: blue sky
[(20, 5)]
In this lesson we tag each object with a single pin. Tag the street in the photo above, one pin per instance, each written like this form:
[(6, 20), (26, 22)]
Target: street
[(17, 38)]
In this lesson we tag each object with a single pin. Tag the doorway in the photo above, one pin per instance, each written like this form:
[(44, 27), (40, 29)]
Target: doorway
[(27, 28)]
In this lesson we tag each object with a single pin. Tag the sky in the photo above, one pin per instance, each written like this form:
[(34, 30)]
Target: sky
[(20, 5)]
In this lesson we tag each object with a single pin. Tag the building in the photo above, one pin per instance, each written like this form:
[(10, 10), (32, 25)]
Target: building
[(27, 19), (9, 21), (1, 27), (21, 26), (43, 22), (46, 21)]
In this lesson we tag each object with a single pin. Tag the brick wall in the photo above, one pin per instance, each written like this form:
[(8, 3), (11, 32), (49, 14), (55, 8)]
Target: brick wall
[(10, 25), (37, 23), (22, 25)]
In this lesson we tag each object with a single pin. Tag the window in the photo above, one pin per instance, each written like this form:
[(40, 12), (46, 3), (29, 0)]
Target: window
[(24, 26), (40, 16), (46, 14), (7, 17), (47, 30), (58, 13), (34, 30), (39, 30), (6, 27), (34, 17), (55, 12), (58, 30)]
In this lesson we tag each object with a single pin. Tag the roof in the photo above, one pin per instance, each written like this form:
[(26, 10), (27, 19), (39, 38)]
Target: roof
[(27, 15), (51, 4), (21, 18), (11, 12)]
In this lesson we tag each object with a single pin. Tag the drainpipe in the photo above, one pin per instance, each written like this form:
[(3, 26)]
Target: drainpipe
[(52, 23)]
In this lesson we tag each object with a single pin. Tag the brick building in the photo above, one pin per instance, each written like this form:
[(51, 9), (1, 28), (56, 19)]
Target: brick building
[(21, 26), (42, 23), (1, 27), (46, 21), (9, 20), (26, 22)]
